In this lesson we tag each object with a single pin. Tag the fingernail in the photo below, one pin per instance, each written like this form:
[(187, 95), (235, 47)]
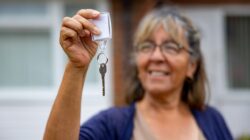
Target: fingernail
[(96, 30), (95, 13)]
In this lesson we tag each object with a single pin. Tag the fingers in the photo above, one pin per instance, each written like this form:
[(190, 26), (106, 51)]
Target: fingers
[(83, 15), (81, 24), (73, 24), (88, 13), (67, 33), (87, 24)]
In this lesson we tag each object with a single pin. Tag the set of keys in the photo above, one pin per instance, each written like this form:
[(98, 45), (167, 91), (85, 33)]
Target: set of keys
[(104, 24), (102, 68)]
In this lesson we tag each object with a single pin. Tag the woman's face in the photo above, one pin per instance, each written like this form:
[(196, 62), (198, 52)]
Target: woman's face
[(160, 72)]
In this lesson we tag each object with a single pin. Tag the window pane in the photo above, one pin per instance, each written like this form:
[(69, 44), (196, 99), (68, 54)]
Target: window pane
[(22, 9), (238, 49), (25, 59)]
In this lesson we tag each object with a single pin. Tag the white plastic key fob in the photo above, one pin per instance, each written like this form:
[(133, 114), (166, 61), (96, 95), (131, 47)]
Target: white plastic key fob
[(103, 22)]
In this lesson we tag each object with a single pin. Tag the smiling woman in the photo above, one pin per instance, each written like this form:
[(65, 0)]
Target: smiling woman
[(167, 92)]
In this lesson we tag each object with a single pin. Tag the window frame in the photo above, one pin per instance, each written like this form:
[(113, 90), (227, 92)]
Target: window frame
[(232, 94)]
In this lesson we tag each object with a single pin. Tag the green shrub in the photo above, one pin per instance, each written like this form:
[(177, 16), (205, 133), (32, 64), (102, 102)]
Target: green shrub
[(244, 137)]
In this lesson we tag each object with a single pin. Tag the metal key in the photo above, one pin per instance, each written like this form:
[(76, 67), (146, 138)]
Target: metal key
[(103, 70)]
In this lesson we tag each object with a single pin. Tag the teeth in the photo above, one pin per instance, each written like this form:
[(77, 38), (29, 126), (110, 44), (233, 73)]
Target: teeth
[(157, 73)]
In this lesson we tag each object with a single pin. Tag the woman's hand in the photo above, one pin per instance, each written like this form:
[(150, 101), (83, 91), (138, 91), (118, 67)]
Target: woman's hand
[(75, 37)]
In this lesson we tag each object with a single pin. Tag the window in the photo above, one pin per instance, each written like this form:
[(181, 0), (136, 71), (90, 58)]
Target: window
[(32, 61), (238, 49), (25, 46), (25, 58)]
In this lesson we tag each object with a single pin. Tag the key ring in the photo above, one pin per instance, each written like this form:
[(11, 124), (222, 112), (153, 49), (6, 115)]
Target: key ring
[(105, 57)]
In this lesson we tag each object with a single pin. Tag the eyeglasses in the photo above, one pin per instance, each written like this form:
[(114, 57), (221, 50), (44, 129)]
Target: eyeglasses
[(166, 48)]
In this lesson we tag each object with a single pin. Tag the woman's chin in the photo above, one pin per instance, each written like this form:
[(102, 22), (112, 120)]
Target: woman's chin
[(157, 91)]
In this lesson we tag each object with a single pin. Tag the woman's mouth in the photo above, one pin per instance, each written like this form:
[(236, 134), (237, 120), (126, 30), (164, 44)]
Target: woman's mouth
[(158, 73)]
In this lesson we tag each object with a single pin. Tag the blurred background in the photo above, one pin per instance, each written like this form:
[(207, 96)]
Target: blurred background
[(32, 62)]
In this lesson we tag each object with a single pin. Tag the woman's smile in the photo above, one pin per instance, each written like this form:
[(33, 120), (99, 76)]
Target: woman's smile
[(156, 74)]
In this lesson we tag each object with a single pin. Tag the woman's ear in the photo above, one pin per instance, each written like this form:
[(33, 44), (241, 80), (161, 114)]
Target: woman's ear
[(192, 66)]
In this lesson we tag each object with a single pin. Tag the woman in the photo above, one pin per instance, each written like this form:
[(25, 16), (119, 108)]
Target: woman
[(167, 90)]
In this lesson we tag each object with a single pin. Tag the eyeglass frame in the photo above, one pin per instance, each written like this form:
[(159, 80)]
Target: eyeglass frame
[(180, 47)]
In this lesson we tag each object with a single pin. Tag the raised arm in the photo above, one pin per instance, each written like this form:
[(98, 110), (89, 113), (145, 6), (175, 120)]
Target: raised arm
[(75, 39)]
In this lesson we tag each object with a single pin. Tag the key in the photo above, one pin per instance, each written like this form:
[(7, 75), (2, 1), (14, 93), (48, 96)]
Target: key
[(103, 70), (102, 60)]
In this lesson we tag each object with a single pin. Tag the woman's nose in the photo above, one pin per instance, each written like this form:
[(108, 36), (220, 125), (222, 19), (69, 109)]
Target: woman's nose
[(157, 54)]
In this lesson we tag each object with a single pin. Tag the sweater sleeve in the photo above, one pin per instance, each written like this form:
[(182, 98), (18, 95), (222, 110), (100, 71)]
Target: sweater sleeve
[(98, 127)]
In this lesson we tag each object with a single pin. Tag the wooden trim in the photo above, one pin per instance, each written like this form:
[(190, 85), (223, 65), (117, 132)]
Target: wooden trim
[(118, 42)]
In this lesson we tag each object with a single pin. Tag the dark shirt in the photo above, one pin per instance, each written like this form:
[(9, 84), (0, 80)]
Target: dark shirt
[(117, 124)]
